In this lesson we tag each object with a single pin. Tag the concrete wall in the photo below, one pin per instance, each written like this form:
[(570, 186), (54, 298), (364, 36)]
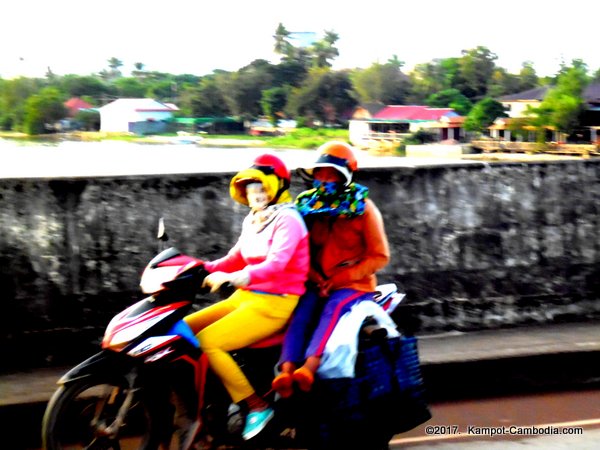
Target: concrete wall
[(474, 247)]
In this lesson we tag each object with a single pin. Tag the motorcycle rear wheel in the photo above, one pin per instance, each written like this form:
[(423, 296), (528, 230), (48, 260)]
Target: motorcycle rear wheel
[(80, 414)]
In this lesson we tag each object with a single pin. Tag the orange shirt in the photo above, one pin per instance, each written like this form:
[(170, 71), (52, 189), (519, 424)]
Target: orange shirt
[(348, 251)]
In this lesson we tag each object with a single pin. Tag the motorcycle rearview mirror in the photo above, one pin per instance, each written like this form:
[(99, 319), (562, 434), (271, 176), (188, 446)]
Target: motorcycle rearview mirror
[(162, 231), (161, 235)]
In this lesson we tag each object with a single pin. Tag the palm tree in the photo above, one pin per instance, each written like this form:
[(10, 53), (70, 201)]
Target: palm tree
[(115, 63), (324, 50), (282, 45)]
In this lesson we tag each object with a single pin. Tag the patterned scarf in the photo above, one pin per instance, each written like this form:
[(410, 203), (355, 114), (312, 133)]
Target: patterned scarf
[(331, 199), (261, 218)]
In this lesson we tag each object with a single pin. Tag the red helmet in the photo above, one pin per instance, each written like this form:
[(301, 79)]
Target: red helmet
[(269, 164), (271, 172)]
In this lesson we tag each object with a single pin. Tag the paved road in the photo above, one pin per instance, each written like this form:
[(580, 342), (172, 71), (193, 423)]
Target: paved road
[(468, 424)]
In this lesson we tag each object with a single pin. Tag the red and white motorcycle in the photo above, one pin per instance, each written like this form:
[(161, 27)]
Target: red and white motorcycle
[(150, 381)]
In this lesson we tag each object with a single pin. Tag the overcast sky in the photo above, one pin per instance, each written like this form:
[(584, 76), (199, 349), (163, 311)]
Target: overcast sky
[(198, 36)]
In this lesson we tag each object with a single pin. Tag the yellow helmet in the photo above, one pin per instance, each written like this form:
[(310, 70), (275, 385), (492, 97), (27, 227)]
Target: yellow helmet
[(268, 170)]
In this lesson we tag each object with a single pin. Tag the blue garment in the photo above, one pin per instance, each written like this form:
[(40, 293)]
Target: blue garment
[(313, 321)]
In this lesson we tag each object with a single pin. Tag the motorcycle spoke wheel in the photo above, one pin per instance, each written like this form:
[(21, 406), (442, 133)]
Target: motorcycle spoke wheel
[(82, 415)]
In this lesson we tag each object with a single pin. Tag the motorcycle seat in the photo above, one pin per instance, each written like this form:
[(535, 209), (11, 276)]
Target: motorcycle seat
[(270, 341)]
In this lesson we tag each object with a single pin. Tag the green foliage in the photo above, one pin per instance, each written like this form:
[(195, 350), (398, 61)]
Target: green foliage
[(130, 88), (528, 78), (564, 103), (420, 137), (324, 50), (13, 95), (483, 114), (318, 55), (6, 122), (450, 98), (273, 102), (503, 83), (476, 67), (204, 100), (324, 96), (79, 86), (308, 138), (381, 83), (242, 90), (304, 86), (88, 120), (42, 110), (432, 77)]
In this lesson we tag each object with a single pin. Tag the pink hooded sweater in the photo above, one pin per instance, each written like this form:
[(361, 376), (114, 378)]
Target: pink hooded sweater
[(275, 257)]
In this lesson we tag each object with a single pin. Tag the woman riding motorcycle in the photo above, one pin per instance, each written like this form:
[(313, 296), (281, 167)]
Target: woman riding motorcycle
[(348, 245), (269, 266)]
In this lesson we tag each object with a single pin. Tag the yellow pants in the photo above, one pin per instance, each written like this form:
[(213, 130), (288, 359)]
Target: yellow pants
[(241, 320)]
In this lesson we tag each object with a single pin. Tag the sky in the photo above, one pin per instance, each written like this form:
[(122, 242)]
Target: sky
[(199, 36)]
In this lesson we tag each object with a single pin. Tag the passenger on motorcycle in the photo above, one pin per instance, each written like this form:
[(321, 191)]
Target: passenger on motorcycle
[(348, 245), (269, 266)]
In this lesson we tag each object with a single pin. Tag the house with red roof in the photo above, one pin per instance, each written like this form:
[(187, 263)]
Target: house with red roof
[(75, 104), (391, 122), (136, 115)]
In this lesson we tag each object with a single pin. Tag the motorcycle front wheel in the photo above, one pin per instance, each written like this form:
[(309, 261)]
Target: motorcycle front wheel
[(93, 413)]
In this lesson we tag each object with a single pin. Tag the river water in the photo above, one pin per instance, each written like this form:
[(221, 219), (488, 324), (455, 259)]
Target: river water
[(115, 158)]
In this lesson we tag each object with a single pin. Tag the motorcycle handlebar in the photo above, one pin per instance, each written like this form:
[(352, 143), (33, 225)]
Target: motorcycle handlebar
[(226, 290)]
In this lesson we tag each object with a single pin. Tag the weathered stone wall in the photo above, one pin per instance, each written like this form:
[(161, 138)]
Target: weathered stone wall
[(474, 247)]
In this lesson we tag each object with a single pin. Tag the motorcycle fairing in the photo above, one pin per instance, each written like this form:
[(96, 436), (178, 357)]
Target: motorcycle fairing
[(165, 268), (178, 331), (135, 320)]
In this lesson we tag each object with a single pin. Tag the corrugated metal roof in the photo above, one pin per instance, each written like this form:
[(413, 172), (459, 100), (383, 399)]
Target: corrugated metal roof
[(138, 104), (591, 94), (532, 94), (413, 113)]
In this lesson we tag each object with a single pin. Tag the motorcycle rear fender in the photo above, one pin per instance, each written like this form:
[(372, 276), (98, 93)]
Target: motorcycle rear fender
[(98, 364)]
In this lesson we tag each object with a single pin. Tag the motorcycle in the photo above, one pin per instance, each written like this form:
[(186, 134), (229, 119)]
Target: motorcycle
[(150, 386)]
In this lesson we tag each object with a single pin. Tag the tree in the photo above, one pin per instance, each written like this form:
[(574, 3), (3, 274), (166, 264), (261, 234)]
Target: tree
[(564, 103), (325, 95), (242, 90), (43, 109), (13, 95), (205, 99), (476, 67), (79, 86), (450, 98), (282, 44), (381, 83), (483, 114), (114, 64), (289, 72), (273, 102), (528, 78), (432, 77), (324, 50), (503, 83), (130, 87), (164, 90)]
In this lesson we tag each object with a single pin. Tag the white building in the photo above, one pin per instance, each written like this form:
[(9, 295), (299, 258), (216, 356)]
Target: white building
[(135, 115)]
